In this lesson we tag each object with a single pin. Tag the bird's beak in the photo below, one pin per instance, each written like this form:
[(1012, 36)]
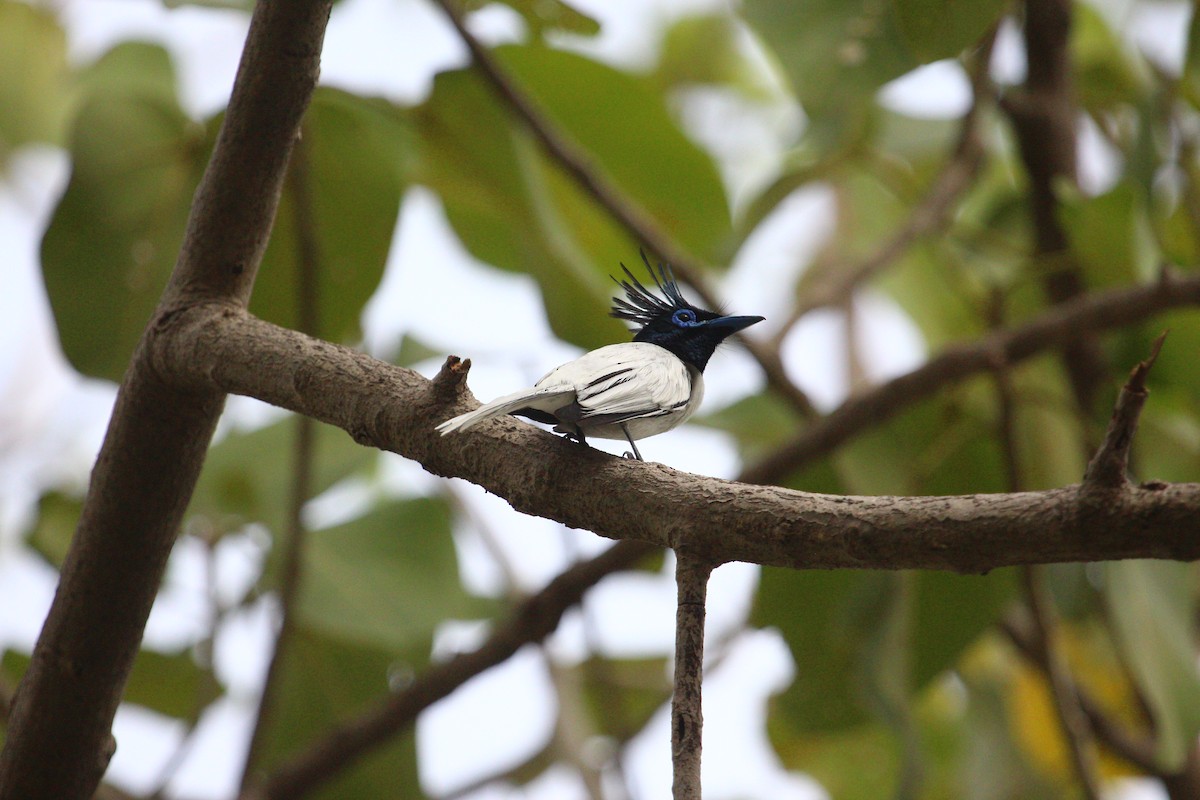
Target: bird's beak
[(733, 324)]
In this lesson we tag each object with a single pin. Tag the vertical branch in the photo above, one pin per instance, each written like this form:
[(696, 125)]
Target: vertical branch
[(1077, 732), (687, 720), (303, 451), (1044, 649), (1043, 116)]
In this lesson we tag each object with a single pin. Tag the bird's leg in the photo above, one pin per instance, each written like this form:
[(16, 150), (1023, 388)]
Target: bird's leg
[(628, 438), (576, 436)]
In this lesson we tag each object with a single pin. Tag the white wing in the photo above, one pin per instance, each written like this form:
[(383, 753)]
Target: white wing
[(624, 381)]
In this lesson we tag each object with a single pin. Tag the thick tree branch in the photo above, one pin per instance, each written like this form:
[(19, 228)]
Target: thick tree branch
[(58, 741), (394, 409), (1055, 328)]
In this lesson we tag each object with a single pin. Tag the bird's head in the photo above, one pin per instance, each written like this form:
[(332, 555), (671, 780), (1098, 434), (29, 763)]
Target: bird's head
[(690, 332)]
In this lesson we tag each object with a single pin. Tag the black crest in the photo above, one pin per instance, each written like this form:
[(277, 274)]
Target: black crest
[(641, 305)]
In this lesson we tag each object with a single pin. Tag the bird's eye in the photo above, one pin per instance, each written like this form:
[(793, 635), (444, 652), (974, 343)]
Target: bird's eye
[(684, 316)]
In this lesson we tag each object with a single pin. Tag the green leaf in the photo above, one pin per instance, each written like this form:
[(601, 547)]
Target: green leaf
[(353, 157), (706, 49), (385, 580), (517, 210), (621, 694), (861, 629), (58, 516), (33, 77), (1107, 75), (830, 640), (1189, 82), (550, 15), (324, 682), (758, 422), (169, 683), (247, 476), (1152, 606), (937, 29), (115, 233), (861, 763), (1108, 235), (951, 612)]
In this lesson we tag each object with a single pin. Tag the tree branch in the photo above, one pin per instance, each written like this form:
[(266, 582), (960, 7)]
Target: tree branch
[(1107, 469), (58, 741), (1054, 328), (394, 409), (534, 619), (1043, 115), (687, 719)]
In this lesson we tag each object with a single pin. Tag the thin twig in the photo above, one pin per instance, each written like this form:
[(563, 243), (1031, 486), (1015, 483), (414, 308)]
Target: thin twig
[(1076, 730), (308, 268), (579, 165), (931, 213), (687, 719), (1108, 467)]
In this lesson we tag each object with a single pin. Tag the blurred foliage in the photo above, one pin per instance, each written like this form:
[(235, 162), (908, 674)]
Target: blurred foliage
[(904, 685)]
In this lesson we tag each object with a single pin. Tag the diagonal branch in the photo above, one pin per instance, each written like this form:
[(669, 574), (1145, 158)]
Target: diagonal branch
[(534, 619), (930, 215), (58, 739), (622, 208), (1054, 328)]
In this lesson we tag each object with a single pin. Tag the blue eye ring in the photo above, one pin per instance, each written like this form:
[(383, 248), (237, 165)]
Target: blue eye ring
[(684, 317)]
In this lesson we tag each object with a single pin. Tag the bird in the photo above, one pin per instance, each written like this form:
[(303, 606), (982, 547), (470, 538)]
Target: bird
[(630, 390)]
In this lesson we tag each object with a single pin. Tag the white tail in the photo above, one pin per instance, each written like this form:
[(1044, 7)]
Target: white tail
[(546, 398)]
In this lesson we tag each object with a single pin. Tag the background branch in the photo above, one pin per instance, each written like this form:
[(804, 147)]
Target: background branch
[(534, 619), (624, 209), (1044, 117), (1045, 649), (931, 214), (1097, 311), (307, 286)]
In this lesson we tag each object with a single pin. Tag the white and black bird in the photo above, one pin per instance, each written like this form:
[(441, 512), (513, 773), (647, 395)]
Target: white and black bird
[(632, 390)]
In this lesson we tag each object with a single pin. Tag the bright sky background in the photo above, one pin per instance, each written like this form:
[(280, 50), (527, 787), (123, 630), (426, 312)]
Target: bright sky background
[(51, 419)]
